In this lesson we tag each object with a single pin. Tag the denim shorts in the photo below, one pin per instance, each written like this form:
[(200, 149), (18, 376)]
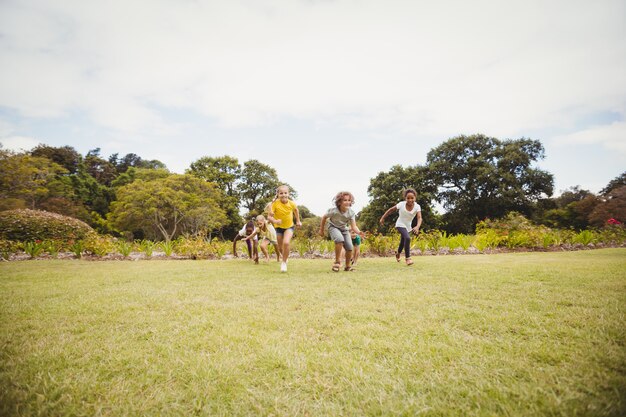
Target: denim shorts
[(281, 231), (340, 236)]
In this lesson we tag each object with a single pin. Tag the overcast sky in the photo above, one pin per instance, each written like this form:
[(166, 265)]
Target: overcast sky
[(329, 93)]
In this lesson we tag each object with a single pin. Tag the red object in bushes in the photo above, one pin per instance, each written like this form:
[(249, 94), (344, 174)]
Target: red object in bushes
[(613, 221)]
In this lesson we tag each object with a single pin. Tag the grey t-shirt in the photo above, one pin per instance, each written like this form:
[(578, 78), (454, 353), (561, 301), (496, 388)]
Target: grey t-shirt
[(338, 219)]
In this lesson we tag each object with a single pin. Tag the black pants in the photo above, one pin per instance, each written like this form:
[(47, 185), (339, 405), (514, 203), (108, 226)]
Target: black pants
[(405, 241)]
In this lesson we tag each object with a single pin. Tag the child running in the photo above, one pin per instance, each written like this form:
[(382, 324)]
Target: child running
[(408, 210), (267, 235), (281, 214), (338, 219), (247, 229)]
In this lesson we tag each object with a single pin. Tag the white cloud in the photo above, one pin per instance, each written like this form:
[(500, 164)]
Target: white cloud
[(612, 137), (19, 143), (422, 71), (413, 66)]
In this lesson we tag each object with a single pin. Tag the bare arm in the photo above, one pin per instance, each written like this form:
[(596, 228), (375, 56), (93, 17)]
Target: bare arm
[(387, 213), (416, 229), (297, 212), (355, 228), (253, 234), (322, 224)]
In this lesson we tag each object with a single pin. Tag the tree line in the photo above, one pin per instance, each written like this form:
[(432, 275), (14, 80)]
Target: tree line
[(472, 177)]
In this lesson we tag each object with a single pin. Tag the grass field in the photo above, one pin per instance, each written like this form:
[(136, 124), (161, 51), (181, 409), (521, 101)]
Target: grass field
[(524, 334)]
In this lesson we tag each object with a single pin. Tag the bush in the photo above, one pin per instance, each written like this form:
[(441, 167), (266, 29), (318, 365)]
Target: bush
[(31, 225)]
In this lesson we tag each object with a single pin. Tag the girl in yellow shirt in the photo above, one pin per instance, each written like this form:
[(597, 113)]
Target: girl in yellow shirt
[(281, 213)]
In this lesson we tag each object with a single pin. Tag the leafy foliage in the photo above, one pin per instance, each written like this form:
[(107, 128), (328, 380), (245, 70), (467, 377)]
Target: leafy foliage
[(30, 225), (386, 190), (480, 177), (167, 208)]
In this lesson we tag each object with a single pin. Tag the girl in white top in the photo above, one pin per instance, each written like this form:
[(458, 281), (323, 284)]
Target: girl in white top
[(408, 210), (267, 235)]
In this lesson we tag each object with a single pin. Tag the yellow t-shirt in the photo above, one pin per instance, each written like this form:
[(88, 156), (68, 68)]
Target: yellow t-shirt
[(284, 212)]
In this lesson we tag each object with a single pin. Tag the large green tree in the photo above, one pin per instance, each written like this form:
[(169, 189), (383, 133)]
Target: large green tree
[(66, 156), (168, 207), (385, 190), (480, 177), (225, 171), (26, 181), (257, 186)]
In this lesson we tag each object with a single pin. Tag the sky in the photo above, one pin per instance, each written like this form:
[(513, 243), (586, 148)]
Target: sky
[(329, 93)]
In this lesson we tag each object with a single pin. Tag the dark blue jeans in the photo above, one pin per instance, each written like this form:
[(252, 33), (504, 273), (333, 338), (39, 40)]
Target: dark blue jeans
[(405, 241)]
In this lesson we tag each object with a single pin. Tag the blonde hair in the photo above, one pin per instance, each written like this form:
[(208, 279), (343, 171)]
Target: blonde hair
[(261, 218), (340, 195)]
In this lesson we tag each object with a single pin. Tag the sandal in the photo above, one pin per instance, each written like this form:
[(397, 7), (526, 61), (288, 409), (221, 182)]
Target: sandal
[(397, 257), (336, 267), (349, 269), (409, 262)]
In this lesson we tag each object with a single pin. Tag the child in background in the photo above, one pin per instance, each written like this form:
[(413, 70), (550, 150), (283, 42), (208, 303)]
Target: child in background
[(247, 229), (282, 214), (338, 218), (356, 243), (267, 234), (408, 210)]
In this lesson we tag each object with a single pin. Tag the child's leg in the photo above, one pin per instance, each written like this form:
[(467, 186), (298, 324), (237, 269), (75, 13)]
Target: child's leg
[(255, 250), (347, 244), (338, 249), (277, 250), (285, 246), (355, 253), (264, 249), (249, 244), (401, 246), (405, 241)]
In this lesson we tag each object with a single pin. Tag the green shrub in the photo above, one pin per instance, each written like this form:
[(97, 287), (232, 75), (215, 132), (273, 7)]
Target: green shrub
[(8, 248), (193, 247), (124, 247), (30, 225), (99, 245), (34, 249)]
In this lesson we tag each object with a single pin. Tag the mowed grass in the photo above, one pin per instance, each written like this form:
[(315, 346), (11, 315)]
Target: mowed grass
[(524, 334)]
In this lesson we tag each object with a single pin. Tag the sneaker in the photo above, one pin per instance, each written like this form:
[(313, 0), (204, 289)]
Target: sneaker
[(283, 267)]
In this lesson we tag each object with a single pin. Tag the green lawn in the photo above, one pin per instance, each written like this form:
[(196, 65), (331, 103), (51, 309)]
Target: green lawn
[(523, 334)]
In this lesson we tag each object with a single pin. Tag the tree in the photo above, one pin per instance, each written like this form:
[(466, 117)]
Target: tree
[(614, 184), (167, 207), (26, 181), (225, 171), (386, 190), (258, 186), (571, 209), (613, 205), (133, 160), (102, 170), (479, 177), (66, 156)]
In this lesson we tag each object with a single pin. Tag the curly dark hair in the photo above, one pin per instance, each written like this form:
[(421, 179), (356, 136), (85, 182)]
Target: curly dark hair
[(409, 190)]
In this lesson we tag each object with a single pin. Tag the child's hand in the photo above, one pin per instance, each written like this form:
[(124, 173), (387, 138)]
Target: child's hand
[(416, 230), (299, 224)]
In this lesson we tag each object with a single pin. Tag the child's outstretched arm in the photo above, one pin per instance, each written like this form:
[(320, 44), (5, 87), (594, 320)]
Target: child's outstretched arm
[(253, 234), (387, 213), (322, 224), (416, 229), (297, 213), (355, 228)]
